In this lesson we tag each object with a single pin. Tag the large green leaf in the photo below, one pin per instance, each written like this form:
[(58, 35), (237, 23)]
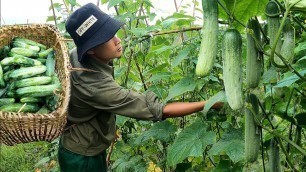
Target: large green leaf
[(300, 50), (231, 143), (181, 87), (224, 166), (120, 120), (192, 141), (243, 10), (159, 90), (128, 163), (177, 19), (219, 97), (183, 54), (161, 49), (160, 131), (159, 76), (112, 3), (139, 31), (269, 76), (286, 82), (72, 2), (158, 69)]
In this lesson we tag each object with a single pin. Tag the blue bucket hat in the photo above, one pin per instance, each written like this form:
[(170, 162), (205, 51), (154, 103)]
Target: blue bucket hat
[(89, 27)]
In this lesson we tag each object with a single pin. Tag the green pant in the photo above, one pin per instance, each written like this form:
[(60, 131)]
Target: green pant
[(72, 162)]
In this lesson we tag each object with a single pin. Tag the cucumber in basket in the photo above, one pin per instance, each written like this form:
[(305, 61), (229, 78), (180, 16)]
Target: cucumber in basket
[(24, 45), (4, 51), (12, 54), (27, 72), (31, 100), (20, 107), (50, 64), (25, 52), (44, 54), (2, 83), (43, 61), (11, 94), (8, 68), (20, 60), (43, 110), (6, 101), (52, 101), (39, 80), (37, 91), (3, 91), (30, 42)]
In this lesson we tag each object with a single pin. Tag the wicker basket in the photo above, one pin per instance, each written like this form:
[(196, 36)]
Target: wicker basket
[(28, 127)]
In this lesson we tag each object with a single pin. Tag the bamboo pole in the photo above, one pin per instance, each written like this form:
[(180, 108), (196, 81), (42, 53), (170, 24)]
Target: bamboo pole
[(53, 13), (0, 15)]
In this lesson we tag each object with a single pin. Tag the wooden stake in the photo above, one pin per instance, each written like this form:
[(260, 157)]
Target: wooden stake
[(53, 13)]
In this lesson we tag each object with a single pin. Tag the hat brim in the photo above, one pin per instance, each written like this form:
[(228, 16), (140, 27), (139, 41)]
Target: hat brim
[(103, 34)]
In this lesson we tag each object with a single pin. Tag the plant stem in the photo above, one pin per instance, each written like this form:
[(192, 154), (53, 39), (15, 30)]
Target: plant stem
[(68, 11), (294, 18), (287, 107), (278, 34), (143, 12), (288, 65), (139, 14), (299, 23), (262, 150), (262, 31), (290, 137), (129, 67), (232, 16), (140, 74)]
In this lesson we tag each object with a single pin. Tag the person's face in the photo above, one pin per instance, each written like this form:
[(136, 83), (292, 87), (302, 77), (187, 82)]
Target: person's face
[(109, 50)]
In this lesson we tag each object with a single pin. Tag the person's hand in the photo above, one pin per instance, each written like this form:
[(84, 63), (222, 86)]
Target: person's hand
[(218, 106)]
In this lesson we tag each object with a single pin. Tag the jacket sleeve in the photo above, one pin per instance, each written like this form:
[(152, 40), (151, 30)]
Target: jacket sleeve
[(109, 96)]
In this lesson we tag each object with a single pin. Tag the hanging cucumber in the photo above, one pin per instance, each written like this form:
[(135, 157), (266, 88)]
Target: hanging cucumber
[(287, 50), (273, 19), (253, 59), (252, 137), (274, 158), (209, 43), (232, 70)]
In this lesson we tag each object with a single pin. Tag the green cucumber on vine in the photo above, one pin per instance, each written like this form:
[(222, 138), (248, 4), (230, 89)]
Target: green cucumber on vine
[(209, 43), (232, 71), (253, 58), (287, 50), (252, 137), (274, 158), (273, 12)]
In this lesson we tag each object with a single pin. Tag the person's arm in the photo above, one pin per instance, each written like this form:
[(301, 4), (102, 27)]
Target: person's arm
[(179, 109)]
